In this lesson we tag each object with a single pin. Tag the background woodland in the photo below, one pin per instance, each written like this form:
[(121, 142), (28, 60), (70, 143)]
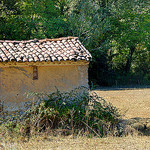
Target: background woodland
[(116, 32)]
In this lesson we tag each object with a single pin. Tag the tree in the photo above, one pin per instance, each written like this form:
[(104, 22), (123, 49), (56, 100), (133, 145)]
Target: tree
[(114, 32), (8, 10), (33, 19), (91, 25), (129, 31)]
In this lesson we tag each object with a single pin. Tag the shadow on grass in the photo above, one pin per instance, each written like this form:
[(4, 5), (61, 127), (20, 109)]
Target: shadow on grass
[(118, 88), (141, 125)]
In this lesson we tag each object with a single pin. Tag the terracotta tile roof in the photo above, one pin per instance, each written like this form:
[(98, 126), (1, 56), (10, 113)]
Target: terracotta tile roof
[(67, 48)]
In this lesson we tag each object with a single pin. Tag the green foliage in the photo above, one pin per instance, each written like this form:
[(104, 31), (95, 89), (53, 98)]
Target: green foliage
[(73, 111), (31, 19), (92, 26), (115, 32), (132, 29), (117, 35)]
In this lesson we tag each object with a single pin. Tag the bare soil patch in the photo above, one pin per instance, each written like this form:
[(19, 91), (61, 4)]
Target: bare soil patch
[(132, 103)]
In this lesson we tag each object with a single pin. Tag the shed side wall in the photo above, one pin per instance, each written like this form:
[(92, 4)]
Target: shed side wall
[(17, 82)]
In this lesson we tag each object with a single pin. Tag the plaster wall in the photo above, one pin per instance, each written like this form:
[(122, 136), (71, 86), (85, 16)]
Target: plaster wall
[(17, 82)]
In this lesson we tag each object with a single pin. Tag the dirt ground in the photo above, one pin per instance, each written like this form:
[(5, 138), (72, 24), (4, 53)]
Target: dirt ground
[(131, 102)]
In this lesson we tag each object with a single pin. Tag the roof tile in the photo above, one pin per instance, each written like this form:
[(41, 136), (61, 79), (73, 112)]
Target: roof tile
[(67, 48)]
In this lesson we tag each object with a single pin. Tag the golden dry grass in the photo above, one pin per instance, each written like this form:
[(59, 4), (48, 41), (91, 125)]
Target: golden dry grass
[(82, 143), (131, 102), (135, 102)]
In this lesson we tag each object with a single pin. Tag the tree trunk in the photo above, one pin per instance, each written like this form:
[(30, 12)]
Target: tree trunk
[(129, 59)]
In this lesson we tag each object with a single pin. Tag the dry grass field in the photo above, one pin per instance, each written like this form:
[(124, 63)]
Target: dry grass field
[(82, 143), (131, 102)]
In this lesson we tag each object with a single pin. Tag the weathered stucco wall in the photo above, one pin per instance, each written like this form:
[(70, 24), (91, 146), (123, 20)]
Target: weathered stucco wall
[(17, 81)]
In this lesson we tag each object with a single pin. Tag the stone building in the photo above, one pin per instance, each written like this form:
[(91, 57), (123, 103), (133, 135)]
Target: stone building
[(40, 66)]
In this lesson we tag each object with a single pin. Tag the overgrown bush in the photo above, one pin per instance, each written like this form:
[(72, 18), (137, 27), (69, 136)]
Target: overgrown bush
[(74, 112)]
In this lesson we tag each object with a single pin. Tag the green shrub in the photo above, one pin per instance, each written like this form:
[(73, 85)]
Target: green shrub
[(74, 111)]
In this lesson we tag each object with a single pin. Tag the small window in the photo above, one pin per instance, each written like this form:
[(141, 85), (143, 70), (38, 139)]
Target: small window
[(35, 73)]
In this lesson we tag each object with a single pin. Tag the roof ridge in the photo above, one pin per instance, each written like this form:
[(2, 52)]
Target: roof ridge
[(41, 40), (15, 41), (58, 39)]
